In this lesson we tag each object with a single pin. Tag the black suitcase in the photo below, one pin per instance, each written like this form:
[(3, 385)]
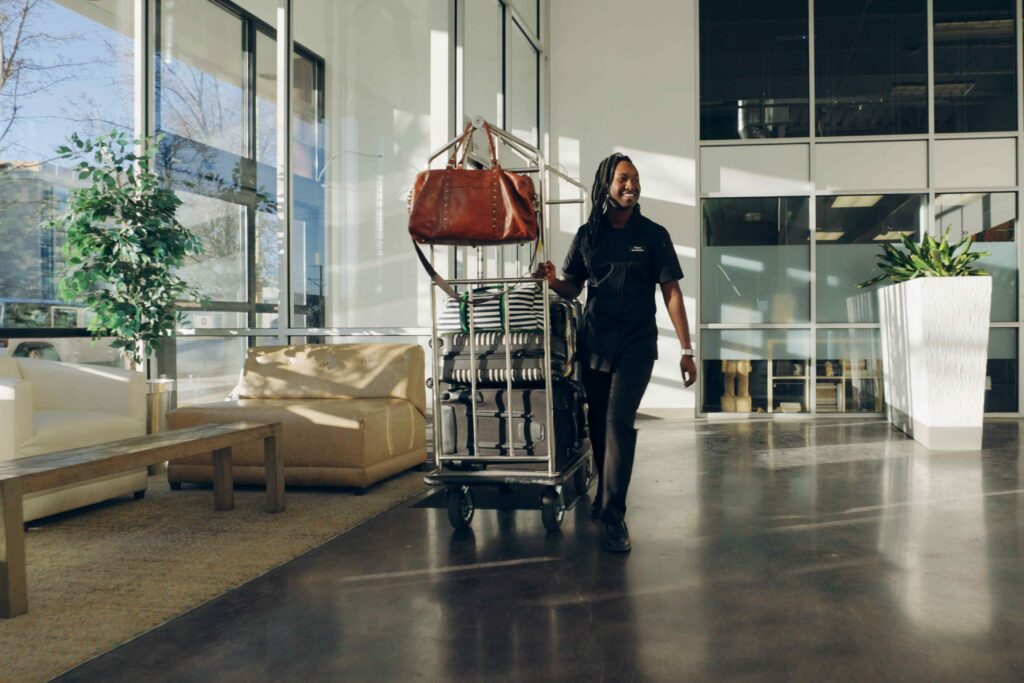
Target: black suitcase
[(529, 422), (526, 348)]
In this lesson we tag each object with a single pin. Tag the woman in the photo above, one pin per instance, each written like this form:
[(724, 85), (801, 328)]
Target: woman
[(620, 255)]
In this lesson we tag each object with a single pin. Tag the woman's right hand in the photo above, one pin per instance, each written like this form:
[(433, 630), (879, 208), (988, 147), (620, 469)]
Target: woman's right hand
[(546, 271)]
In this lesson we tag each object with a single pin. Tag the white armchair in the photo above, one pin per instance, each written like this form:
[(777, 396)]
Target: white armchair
[(47, 406)]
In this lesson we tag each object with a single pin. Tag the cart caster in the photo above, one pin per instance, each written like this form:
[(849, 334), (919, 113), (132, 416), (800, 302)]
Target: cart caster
[(552, 511), (460, 507)]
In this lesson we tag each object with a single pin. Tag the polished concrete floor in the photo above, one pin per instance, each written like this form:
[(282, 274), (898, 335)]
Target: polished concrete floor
[(798, 550)]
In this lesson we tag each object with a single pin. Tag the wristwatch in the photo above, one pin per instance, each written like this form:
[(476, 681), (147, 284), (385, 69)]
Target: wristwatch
[(688, 352)]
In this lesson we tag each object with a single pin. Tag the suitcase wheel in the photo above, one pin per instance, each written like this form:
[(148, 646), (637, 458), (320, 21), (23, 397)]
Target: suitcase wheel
[(460, 507)]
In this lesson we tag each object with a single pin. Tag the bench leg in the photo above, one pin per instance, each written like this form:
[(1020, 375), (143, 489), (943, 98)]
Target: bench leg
[(223, 481), (13, 586), (273, 463)]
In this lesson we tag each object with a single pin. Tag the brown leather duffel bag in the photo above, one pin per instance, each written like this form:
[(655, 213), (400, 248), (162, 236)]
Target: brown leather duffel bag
[(460, 206)]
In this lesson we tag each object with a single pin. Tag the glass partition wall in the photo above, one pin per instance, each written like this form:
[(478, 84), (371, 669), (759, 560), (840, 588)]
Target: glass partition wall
[(859, 124)]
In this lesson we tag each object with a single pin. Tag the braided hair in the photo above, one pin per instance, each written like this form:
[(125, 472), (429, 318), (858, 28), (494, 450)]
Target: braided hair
[(599, 192)]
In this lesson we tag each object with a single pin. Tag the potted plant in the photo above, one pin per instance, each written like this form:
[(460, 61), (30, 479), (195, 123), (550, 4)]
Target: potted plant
[(934, 328), (123, 243)]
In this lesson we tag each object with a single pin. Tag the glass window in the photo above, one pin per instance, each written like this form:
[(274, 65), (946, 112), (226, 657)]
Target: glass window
[(522, 109), (755, 260), (991, 219), (68, 349), (201, 75), (1001, 376), (482, 37), (848, 378), (871, 67), (975, 66), (378, 83), (753, 69), (74, 73), (849, 231), (267, 242), (208, 367), (309, 226), (220, 273), (755, 371), (528, 12)]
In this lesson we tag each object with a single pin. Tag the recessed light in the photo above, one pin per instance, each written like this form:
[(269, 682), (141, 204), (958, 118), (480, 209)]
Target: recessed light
[(856, 201)]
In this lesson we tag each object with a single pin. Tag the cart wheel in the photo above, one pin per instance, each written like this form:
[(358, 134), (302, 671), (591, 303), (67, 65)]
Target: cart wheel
[(551, 509), (460, 507)]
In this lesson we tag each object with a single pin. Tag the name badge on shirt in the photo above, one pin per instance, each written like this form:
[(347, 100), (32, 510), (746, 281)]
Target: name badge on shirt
[(637, 249)]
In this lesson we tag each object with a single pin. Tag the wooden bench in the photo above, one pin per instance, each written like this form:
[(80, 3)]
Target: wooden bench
[(41, 472)]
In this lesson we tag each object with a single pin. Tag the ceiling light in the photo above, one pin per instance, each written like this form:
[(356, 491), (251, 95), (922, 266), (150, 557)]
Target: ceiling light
[(953, 89), (944, 201), (829, 235), (909, 90), (959, 30), (856, 201), (893, 235)]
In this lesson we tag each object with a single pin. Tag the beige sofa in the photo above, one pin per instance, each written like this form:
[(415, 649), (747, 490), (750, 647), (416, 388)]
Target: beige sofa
[(46, 406), (352, 414)]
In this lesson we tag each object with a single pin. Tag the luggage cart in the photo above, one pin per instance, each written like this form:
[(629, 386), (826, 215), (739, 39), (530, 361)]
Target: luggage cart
[(459, 473)]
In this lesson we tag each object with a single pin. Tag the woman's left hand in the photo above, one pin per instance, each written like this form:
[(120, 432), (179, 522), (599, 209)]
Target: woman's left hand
[(689, 370)]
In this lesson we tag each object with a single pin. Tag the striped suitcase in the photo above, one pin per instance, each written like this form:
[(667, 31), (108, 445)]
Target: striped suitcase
[(526, 349)]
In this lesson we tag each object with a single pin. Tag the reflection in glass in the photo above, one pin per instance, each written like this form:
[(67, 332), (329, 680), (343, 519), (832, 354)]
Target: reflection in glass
[(755, 371), (522, 104), (991, 219), (849, 371), (1001, 373), (849, 232), (482, 40), (70, 70), (871, 63), (528, 12), (309, 227), (755, 260), (753, 69), (220, 273), (376, 94), (209, 320), (200, 75), (975, 66), (64, 349), (208, 367)]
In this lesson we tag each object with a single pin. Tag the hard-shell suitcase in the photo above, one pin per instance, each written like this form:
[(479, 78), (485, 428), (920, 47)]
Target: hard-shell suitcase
[(530, 430), (526, 349)]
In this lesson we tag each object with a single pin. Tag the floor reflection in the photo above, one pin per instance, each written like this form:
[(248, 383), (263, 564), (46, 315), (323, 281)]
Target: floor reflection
[(809, 549)]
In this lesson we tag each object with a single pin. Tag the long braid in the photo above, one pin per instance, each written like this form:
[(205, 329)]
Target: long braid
[(599, 193)]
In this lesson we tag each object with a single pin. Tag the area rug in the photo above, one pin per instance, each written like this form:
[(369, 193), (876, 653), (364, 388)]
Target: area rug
[(101, 576)]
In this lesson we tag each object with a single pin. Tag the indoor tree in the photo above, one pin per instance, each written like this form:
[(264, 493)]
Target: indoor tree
[(124, 243)]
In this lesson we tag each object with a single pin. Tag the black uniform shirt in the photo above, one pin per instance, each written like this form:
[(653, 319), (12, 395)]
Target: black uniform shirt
[(621, 268)]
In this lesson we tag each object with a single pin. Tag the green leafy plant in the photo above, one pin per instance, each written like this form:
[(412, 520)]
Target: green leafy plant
[(124, 243), (929, 258)]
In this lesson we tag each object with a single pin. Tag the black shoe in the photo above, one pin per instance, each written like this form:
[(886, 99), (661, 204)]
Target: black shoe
[(595, 511), (616, 537)]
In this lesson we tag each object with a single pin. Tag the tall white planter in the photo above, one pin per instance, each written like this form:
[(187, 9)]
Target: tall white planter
[(934, 349)]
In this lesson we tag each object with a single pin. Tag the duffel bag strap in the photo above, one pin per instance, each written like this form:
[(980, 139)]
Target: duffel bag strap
[(434, 275)]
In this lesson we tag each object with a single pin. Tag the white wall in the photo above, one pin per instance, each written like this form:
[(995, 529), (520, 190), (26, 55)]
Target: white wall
[(624, 80)]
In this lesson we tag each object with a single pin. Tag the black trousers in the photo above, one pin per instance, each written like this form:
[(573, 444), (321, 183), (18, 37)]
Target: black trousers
[(612, 401)]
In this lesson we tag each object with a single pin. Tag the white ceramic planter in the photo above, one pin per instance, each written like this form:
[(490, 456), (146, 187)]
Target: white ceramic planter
[(934, 350)]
